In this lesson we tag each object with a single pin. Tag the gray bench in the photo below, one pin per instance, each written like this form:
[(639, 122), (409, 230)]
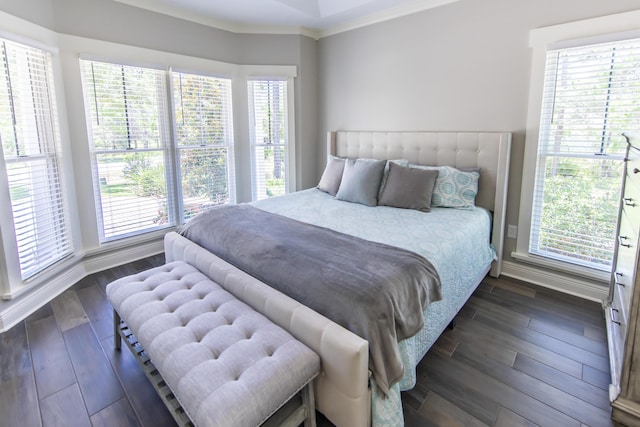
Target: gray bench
[(224, 363)]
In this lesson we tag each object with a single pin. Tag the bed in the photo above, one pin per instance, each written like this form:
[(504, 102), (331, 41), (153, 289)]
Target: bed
[(345, 392)]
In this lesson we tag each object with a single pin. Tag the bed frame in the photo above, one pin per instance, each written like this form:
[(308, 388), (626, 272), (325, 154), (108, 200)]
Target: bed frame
[(489, 151), (342, 389)]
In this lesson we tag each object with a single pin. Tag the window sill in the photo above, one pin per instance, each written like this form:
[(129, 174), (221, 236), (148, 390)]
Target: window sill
[(61, 268), (563, 267)]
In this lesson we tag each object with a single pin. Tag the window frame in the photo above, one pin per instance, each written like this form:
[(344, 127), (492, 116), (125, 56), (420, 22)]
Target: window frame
[(93, 50), (13, 280), (177, 149), (170, 148), (580, 33), (289, 146), (164, 149)]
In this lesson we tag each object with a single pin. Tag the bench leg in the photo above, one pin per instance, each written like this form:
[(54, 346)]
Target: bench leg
[(117, 340), (308, 401)]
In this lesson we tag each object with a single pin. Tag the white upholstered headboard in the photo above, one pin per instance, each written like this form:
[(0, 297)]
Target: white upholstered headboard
[(489, 151)]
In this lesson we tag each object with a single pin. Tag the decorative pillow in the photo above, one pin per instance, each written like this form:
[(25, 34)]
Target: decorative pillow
[(361, 181), (454, 188), (409, 188), (385, 174), (332, 175)]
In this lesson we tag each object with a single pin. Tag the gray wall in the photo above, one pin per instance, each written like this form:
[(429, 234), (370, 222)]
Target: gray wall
[(37, 11), (464, 66)]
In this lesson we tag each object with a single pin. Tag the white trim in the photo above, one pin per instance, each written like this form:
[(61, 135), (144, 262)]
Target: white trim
[(117, 53), (233, 27), (268, 72), (110, 259), (36, 296), (602, 276), (31, 302), (608, 26), (582, 288), (387, 15), (579, 32), (291, 144), (48, 275), (220, 24), (21, 31)]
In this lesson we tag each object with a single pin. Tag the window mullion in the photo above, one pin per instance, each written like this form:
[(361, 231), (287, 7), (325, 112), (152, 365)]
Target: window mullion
[(176, 213)]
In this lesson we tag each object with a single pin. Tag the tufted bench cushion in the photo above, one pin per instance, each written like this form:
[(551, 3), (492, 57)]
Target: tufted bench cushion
[(226, 364)]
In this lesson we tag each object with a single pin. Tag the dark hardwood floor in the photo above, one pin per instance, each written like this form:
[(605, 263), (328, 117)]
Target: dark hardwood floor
[(520, 355)]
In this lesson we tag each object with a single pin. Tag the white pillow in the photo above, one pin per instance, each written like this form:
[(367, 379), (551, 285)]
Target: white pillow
[(454, 188)]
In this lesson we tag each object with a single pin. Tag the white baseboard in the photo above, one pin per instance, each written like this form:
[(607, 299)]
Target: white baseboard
[(583, 288), (15, 311), (116, 257), (19, 309)]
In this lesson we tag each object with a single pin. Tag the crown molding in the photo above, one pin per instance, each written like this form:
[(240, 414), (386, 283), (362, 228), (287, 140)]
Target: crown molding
[(386, 15), (240, 28)]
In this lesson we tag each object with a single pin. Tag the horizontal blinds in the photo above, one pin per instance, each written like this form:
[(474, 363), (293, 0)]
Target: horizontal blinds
[(591, 96), (269, 136), (128, 132), (204, 137), (29, 134)]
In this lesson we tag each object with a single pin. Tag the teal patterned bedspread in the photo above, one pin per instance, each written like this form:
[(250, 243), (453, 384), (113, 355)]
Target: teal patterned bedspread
[(456, 241)]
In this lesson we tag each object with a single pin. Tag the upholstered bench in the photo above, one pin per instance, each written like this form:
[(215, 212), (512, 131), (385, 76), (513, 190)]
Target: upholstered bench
[(226, 364)]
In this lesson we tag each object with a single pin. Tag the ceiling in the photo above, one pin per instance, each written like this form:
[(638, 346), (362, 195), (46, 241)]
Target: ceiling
[(315, 18)]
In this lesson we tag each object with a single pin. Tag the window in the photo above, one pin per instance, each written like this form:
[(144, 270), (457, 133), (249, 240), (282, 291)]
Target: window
[(126, 115), (269, 130), (138, 185), (591, 95), (204, 130), (30, 142)]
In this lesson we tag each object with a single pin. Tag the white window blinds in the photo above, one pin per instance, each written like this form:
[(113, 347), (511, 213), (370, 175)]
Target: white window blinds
[(29, 136), (128, 135), (204, 136), (268, 126), (591, 95)]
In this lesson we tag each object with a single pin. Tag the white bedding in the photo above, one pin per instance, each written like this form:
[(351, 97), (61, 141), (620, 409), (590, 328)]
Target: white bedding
[(456, 241)]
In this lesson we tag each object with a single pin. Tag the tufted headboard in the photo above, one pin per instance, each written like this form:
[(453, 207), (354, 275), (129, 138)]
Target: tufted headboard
[(489, 151)]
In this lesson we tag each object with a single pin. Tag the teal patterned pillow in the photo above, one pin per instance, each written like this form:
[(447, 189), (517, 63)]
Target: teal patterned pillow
[(454, 188)]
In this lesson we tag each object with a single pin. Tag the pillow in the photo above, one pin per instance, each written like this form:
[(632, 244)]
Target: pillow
[(361, 181), (400, 162), (454, 188), (408, 188), (332, 175)]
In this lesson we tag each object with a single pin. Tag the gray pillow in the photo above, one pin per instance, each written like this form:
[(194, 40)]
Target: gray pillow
[(332, 175), (401, 162), (361, 181), (408, 188)]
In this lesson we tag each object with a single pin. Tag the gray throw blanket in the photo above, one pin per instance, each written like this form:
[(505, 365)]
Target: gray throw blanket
[(376, 291)]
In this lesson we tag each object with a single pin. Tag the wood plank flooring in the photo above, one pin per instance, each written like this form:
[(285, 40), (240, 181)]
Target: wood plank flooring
[(520, 355)]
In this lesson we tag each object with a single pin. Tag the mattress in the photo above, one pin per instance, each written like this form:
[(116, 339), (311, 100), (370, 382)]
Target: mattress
[(456, 241)]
